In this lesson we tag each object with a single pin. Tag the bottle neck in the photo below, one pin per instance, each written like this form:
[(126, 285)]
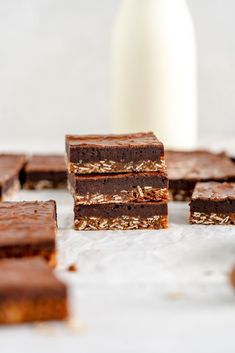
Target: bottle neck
[(132, 4), (145, 8)]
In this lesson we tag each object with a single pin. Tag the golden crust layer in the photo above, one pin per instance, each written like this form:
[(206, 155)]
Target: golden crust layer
[(43, 184), (180, 195), (139, 194), (212, 218), (108, 166), (121, 223)]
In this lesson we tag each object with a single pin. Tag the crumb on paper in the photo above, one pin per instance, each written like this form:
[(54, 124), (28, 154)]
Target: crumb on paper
[(75, 325), (45, 328), (72, 268), (175, 295)]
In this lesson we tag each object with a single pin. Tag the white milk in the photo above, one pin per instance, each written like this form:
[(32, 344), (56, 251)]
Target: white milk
[(154, 71)]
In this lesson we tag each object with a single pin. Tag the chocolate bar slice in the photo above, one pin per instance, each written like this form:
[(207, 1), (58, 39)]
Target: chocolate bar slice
[(141, 152), (28, 229), (185, 169), (29, 291), (45, 171), (213, 203), (232, 277), (118, 188), (11, 166), (126, 216)]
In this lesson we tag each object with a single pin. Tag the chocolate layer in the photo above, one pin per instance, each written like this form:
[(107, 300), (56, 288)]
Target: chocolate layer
[(111, 184), (143, 210), (208, 206), (213, 197), (30, 278), (117, 148)]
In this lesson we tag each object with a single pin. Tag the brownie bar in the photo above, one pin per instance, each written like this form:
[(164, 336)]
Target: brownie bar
[(30, 292), (213, 203), (118, 188), (11, 166), (141, 152), (149, 215), (45, 171), (28, 229), (232, 277), (185, 169)]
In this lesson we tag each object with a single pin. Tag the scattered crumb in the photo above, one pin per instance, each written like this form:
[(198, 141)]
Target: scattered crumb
[(75, 325), (72, 268), (44, 328), (175, 295)]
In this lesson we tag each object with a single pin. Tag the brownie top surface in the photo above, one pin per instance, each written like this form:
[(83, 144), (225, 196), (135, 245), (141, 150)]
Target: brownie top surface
[(25, 274), (27, 222), (10, 165), (46, 163), (199, 165), (27, 211), (214, 191), (128, 140)]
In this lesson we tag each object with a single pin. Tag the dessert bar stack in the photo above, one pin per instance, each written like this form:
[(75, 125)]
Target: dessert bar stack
[(118, 182)]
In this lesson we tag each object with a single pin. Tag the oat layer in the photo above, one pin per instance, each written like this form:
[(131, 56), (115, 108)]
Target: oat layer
[(108, 166), (138, 194), (121, 223), (212, 218), (180, 195), (43, 184)]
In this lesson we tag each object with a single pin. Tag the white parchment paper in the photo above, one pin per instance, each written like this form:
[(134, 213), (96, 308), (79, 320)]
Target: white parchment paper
[(138, 291)]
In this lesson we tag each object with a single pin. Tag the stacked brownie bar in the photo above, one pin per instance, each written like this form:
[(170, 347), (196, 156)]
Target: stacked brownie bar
[(117, 181)]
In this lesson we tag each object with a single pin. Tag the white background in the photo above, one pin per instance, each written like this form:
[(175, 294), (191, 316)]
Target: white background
[(55, 66), (165, 291)]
